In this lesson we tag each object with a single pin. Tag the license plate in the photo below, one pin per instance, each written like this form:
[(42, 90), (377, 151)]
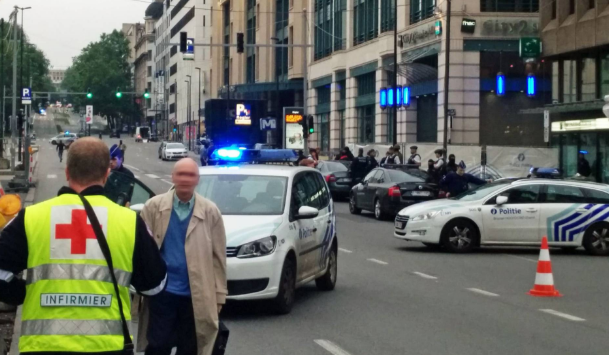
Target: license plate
[(399, 225), (421, 193)]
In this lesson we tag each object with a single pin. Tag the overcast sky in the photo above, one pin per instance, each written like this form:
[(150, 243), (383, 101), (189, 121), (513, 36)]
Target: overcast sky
[(61, 28)]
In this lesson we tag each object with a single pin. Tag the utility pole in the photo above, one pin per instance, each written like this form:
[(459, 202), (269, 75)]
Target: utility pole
[(14, 90), (199, 110), (394, 117), (446, 76), (305, 86), (280, 123), (189, 108)]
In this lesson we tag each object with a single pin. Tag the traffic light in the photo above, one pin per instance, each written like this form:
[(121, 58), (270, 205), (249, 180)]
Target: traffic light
[(183, 40), (146, 94), (119, 94), (89, 93), (311, 124), (305, 129), (240, 45)]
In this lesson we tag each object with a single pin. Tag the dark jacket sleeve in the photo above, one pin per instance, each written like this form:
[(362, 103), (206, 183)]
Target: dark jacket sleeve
[(13, 260), (149, 269), (474, 180)]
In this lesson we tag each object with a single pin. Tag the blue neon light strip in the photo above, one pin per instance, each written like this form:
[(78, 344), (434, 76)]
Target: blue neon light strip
[(406, 93), (399, 96), (390, 98), (383, 98), (500, 85), (531, 86)]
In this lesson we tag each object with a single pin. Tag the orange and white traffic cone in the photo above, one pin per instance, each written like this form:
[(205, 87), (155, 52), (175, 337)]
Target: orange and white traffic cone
[(544, 281)]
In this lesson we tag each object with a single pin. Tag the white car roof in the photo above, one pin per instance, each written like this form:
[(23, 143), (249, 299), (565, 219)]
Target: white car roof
[(575, 183), (254, 169)]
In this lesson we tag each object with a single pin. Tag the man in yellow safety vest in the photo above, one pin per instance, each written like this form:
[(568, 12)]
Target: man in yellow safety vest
[(70, 301)]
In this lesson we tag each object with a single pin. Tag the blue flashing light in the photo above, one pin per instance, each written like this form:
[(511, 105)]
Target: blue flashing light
[(583, 151), (242, 148), (390, 97), (399, 96), (383, 97), (67, 132), (500, 84), (227, 153), (406, 93), (531, 87)]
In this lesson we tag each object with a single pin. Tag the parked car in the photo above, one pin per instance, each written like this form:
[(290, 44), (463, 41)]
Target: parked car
[(64, 137), (161, 147), (386, 191), (337, 177), (174, 151)]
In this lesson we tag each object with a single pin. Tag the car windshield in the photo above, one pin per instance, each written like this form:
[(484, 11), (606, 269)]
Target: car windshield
[(329, 167), (245, 194), (481, 192), (175, 146), (405, 176)]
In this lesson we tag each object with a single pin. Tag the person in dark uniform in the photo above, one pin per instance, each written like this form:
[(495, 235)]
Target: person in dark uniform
[(60, 147), (455, 183), (451, 165), (583, 166), (116, 161), (357, 170), (415, 158)]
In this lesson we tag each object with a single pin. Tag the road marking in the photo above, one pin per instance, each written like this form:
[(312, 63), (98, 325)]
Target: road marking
[(345, 250), (132, 167), (521, 257), (51, 176), (378, 261), (425, 276), (482, 292), (152, 176), (137, 177), (331, 347), (563, 315), (167, 182)]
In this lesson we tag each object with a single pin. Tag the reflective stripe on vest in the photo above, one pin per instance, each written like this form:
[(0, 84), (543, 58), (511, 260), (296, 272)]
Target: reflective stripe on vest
[(77, 272), (70, 303)]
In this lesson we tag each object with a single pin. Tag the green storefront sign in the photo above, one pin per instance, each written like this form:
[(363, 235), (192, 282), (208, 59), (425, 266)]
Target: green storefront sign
[(530, 47)]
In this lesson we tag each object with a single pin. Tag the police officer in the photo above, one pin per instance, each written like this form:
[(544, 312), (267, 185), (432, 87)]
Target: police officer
[(117, 159), (415, 159), (69, 301), (358, 167)]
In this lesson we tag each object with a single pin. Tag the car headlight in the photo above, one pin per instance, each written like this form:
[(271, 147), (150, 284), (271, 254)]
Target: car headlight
[(428, 215), (260, 247)]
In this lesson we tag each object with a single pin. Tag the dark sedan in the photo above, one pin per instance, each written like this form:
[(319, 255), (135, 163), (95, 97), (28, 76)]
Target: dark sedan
[(387, 191), (337, 177)]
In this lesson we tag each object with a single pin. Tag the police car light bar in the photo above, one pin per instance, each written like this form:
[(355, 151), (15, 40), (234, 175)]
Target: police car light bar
[(235, 154)]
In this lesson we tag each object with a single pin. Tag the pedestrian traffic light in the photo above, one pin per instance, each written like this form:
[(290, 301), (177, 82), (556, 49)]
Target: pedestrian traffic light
[(183, 40), (146, 94), (89, 94), (240, 45), (310, 124), (119, 94)]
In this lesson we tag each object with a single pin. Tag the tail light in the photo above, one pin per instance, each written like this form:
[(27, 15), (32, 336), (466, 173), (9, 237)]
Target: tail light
[(330, 178), (394, 191), (442, 194)]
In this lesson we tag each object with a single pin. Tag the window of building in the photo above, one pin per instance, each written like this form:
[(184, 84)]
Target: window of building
[(257, 63), (183, 22), (323, 124), (250, 66), (604, 73), (257, 16), (556, 81), (281, 33), (421, 10), (172, 108), (172, 88), (342, 134), (291, 49), (387, 15), (588, 79), (324, 94), (571, 7), (591, 4), (365, 20), (341, 85), (173, 51), (173, 70), (554, 9), (149, 71), (149, 55), (226, 26), (509, 5), (569, 87), (366, 84), (365, 118), (203, 20)]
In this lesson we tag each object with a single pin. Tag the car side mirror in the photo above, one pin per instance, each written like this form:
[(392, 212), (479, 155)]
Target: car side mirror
[(306, 212), (137, 207), (501, 200)]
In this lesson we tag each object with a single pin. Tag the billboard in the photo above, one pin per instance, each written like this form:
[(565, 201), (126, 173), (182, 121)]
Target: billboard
[(226, 121)]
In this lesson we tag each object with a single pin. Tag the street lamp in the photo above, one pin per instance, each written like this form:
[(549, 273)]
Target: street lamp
[(199, 111), (19, 126), (278, 114), (189, 107)]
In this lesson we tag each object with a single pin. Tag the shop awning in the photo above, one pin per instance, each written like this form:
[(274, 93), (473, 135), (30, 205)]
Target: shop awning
[(594, 105)]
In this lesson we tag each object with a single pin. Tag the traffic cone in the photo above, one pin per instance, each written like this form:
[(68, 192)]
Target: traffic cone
[(544, 281)]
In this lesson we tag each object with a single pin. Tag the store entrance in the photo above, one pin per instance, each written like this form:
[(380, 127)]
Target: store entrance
[(595, 149)]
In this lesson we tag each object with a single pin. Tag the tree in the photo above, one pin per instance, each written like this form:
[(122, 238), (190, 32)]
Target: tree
[(103, 67)]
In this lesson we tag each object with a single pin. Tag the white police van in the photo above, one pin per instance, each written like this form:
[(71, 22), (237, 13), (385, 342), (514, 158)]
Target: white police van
[(513, 212)]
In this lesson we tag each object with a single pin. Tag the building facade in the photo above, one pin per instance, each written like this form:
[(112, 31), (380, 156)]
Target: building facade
[(576, 48), (352, 59), (56, 76), (263, 72)]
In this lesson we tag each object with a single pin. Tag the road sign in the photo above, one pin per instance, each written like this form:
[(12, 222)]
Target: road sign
[(267, 124), (26, 96), (89, 114), (190, 49), (452, 112), (530, 47), (546, 126)]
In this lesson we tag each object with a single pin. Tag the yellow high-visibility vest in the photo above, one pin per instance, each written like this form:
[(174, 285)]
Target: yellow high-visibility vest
[(70, 303)]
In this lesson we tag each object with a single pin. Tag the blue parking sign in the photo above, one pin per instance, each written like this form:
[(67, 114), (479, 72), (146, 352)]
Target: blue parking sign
[(26, 96)]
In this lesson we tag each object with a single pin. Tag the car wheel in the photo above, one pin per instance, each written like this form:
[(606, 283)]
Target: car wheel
[(327, 282), (353, 205), (596, 239), (378, 211), (282, 304), (459, 236)]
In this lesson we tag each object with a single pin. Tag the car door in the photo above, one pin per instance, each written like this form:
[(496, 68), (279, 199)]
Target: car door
[(302, 191), (126, 190), (372, 187), (518, 220), (360, 189), (324, 224), (565, 213)]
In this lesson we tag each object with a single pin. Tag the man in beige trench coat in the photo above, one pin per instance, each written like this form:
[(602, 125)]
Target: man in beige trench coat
[(185, 226)]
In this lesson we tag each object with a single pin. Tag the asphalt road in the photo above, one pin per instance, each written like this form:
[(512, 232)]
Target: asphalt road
[(396, 297)]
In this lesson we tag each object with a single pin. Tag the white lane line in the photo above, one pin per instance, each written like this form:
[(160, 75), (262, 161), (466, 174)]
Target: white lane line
[(425, 276), (523, 258), (132, 167), (137, 177), (152, 176), (378, 261), (345, 250), (167, 182), (331, 347), (482, 292), (51, 176), (563, 315)]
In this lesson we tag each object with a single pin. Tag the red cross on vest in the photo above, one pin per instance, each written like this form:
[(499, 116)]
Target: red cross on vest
[(78, 231)]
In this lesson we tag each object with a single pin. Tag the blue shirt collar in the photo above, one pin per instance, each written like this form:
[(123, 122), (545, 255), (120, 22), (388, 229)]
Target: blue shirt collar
[(179, 204)]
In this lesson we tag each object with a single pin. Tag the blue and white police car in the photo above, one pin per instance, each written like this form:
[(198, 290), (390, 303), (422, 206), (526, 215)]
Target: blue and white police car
[(280, 224), (513, 212)]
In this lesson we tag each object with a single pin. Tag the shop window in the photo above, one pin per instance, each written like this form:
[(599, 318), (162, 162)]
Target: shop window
[(366, 121), (569, 81), (323, 122), (556, 82), (588, 79)]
